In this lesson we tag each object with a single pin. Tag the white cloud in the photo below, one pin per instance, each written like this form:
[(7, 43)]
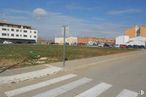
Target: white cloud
[(124, 11), (39, 12)]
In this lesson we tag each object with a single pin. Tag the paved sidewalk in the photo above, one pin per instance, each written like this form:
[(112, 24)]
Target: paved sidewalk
[(87, 62)]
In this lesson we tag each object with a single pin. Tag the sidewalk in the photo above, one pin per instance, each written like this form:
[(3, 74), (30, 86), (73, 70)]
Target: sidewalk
[(86, 62)]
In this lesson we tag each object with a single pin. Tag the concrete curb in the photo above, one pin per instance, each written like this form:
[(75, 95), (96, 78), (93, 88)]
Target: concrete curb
[(30, 75)]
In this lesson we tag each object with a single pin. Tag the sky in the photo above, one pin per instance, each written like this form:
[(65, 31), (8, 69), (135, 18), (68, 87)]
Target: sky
[(85, 18)]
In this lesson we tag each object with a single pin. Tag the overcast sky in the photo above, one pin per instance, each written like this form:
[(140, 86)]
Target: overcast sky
[(97, 18)]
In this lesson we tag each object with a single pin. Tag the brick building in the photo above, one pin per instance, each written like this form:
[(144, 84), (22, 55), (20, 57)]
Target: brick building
[(136, 31), (85, 40), (133, 36)]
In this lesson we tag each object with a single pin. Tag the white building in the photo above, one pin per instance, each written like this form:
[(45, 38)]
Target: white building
[(69, 40), (137, 41), (17, 33), (122, 39), (125, 40)]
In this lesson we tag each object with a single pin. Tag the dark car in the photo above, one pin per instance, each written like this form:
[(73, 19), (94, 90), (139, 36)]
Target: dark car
[(123, 46)]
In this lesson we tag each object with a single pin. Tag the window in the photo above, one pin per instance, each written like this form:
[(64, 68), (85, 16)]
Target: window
[(17, 35), (17, 30), (20, 35), (30, 31), (12, 34), (4, 29), (34, 36), (30, 36), (34, 32), (24, 35), (12, 29), (4, 34), (24, 30)]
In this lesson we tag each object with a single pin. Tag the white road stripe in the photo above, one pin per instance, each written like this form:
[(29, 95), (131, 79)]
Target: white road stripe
[(128, 93), (38, 85), (65, 88), (95, 91)]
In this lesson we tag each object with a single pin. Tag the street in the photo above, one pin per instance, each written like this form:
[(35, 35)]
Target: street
[(123, 76)]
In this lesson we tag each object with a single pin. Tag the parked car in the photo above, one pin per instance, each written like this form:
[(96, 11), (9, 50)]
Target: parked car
[(108, 45), (117, 46), (130, 46), (141, 46), (101, 45), (7, 42), (123, 46)]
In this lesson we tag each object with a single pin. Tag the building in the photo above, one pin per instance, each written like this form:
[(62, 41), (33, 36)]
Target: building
[(85, 40), (16, 33), (136, 31), (133, 36), (69, 40), (122, 39)]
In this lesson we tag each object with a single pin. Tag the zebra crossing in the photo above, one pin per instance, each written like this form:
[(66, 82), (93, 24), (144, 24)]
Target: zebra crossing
[(95, 91)]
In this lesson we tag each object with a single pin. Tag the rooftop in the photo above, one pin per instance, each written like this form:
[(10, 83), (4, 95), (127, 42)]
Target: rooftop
[(5, 23)]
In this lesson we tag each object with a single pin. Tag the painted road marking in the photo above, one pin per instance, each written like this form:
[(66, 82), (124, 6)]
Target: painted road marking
[(96, 90), (65, 88), (38, 85), (128, 93)]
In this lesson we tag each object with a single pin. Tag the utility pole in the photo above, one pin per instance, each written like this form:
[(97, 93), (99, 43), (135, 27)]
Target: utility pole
[(64, 47)]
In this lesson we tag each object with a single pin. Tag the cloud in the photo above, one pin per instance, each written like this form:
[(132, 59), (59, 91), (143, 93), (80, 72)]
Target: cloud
[(124, 11), (39, 12)]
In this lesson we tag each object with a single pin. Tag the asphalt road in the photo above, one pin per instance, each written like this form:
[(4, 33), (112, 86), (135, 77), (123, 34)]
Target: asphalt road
[(123, 77)]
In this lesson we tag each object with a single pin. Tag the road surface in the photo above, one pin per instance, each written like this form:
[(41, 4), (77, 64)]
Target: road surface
[(122, 77)]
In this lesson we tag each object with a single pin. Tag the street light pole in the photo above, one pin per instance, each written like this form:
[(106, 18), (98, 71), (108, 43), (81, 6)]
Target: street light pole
[(64, 47)]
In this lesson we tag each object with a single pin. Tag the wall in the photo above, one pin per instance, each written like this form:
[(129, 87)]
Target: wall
[(130, 32), (143, 31)]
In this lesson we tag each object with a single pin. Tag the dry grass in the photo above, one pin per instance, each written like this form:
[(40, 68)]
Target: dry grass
[(12, 54)]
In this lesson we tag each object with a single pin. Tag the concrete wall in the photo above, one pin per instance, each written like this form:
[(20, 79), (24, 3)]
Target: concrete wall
[(70, 40), (85, 40), (122, 39)]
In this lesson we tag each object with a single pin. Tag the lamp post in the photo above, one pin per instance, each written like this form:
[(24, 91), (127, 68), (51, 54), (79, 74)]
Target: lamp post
[(64, 46)]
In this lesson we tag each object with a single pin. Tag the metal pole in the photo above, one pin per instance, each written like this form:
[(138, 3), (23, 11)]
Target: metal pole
[(64, 47)]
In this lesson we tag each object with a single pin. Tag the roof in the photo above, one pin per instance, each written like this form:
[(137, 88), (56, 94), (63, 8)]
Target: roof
[(12, 24)]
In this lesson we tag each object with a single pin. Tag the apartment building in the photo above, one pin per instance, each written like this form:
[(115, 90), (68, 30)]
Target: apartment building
[(133, 36), (17, 33), (136, 31)]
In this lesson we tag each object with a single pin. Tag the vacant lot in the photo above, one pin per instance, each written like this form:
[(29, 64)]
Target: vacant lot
[(36, 54)]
